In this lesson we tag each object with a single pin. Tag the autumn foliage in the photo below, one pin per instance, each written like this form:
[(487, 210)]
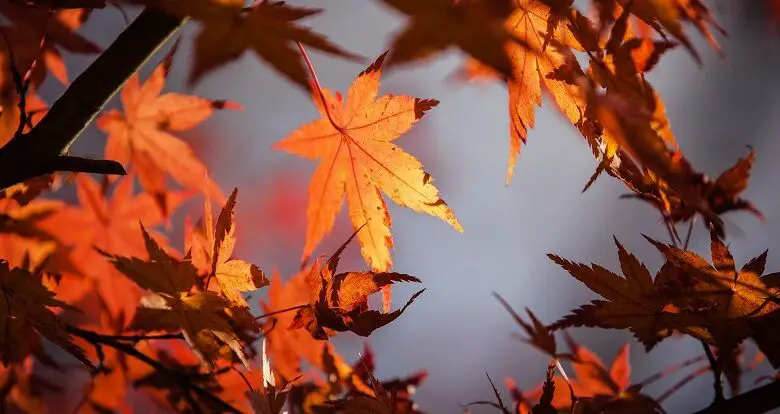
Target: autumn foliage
[(95, 285)]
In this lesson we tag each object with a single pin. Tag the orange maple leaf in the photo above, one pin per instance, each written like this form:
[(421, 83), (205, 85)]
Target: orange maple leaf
[(26, 37), (25, 316), (23, 244), (288, 348), (534, 64), (739, 303), (339, 302), (212, 247), (597, 385), (110, 225), (358, 159), (173, 305), (141, 136)]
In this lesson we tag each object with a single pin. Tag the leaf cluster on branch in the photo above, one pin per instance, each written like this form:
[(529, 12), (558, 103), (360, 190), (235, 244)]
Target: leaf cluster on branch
[(151, 327)]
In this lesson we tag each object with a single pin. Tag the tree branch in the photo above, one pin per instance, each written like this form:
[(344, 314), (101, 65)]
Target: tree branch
[(717, 373), (184, 381), (139, 338), (43, 150), (758, 400)]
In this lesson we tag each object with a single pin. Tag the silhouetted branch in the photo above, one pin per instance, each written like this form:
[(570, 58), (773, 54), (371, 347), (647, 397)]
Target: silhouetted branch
[(758, 400), (717, 373), (139, 338), (184, 381), (44, 149)]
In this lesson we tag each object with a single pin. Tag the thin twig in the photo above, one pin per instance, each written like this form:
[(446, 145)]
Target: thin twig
[(139, 338), (184, 382), (243, 377), (671, 231), (19, 83), (685, 380), (669, 370), (717, 372), (291, 308), (688, 235)]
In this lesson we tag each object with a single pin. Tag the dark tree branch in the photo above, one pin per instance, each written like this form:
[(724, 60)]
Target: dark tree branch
[(139, 338), (43, 150), (184, 381), (758, 400)]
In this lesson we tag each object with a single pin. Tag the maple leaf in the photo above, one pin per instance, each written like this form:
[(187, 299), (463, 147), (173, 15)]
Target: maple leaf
[(233, 275), (598, 388), (724, 305), (474, 26), (63, 4), (27, 191), (631, 302), (340, 302), (722, 195), (35, 39), (665, 178), (353, 139), (31, 26), (533, 67), (593, 378), (110, 225), (269, 400), (142, 137), (287, 348), (25, 315), (400, 390), (545, 404), (622, 72), (268, 28), (693, 193), (540, 336), (23, 244), (172, 306), (389, 396), (669, 15)]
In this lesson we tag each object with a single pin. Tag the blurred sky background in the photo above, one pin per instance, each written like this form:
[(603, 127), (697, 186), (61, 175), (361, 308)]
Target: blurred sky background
[(457, 330)]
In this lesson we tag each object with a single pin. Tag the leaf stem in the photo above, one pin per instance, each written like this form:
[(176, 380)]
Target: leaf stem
[(291, 308), (317, 85), (717, 372)]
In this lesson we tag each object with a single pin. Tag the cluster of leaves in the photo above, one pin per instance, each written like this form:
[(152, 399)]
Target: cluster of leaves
[(155, 328)]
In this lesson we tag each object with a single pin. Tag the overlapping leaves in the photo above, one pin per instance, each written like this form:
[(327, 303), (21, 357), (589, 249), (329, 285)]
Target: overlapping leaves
[(25, 317), (339, 302), (174, 306), (714, 303)]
